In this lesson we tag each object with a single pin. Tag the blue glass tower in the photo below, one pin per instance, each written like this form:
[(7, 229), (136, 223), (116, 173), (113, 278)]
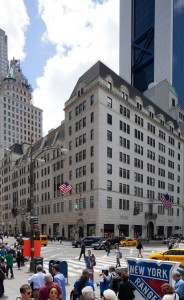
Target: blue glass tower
[(152, 43)]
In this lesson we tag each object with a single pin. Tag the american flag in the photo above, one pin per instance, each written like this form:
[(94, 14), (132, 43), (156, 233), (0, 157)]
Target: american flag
[(65, 187), (166, 201)]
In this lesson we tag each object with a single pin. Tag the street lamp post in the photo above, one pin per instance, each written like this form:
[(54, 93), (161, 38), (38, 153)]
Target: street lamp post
[(31, 182), (32, 216)]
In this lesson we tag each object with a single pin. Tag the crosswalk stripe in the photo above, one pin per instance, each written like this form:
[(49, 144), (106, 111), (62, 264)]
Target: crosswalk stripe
[(75, 267)]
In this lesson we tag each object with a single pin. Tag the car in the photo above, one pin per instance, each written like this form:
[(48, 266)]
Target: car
[(175, 254), (101, 244), (128, 242), (88, 241), (171, 239)]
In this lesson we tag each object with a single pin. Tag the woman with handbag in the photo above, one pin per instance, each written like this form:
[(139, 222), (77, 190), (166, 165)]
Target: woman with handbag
[(90, 262), (168, 292)]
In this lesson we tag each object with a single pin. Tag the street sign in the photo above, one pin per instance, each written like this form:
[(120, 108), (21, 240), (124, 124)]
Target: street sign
[(147, 276)]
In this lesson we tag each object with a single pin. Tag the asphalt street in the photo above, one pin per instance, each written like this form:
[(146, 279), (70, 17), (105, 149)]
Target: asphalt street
[(65, 252)]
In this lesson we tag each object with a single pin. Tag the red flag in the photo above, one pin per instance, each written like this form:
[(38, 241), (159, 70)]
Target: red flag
[(65, 187)]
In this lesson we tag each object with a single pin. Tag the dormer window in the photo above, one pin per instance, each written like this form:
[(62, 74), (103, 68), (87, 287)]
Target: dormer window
[(109, 84), (139, 106)]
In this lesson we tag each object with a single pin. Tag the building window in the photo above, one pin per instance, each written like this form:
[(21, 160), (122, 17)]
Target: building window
[(109, 119), (92, 117), (92, 150), (92, 99), (92, 184), (92, 167), (92, 134), (109, 135), (109, 202), (109, 169), (92, 202), (109, 152), (109, 185), (109, 102)]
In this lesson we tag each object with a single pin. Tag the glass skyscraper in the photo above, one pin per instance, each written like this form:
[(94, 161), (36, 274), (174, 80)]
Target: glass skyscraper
[(152, 43)]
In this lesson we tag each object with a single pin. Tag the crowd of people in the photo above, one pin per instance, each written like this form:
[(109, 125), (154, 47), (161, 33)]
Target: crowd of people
[(112, 284), (7, 257)]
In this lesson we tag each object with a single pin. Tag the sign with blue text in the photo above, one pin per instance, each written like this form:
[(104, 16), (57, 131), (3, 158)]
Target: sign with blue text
[(147, 276)]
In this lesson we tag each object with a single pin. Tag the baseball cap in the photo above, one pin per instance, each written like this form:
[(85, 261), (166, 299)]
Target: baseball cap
[(109, 294), (105, 268)]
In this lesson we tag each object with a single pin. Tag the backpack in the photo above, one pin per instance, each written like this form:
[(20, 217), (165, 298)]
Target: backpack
[(114, 282), (94, 260)]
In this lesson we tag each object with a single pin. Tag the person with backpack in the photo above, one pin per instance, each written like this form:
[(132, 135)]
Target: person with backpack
[(115, 280), (90, 262), (79, 284)]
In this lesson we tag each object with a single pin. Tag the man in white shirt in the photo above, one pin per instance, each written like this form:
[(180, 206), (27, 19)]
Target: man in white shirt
[(36, 281)]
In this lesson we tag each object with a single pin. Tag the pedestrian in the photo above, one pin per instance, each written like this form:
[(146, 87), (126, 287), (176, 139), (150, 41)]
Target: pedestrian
[(60, 279), (79, 284), (9, 263), (2, 251), (25, 292), (90, 262), (168, 292), (88, 293), (44, 290), (36, 281), (115, 279), (54, 293), (126, 289), (139, 248), (109, 295), (83, 250), (2, 278), (18, 257), (118, 256), (108, 248), (179, 285), (105, 278)]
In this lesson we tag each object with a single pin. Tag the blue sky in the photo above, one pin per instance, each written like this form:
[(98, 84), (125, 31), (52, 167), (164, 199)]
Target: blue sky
[(56, 42)]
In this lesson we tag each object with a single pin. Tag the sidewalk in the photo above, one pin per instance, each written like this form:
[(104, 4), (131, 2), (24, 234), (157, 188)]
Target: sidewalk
[(12, 285)]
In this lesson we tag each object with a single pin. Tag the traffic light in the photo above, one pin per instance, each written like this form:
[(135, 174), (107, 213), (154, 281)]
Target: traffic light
[(15, 211)]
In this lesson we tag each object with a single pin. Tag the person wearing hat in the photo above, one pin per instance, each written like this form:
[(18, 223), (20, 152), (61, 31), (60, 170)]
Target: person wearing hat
[(179, 285), (36, 281), (109, 295), (105, 278)]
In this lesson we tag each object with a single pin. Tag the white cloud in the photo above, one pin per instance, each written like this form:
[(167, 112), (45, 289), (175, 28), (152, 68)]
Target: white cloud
[(91, 32), (14, 21)]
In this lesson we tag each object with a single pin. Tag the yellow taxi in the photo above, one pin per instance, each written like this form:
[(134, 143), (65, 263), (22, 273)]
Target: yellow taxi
[(43, 238), (128, 242), (175, 254)]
